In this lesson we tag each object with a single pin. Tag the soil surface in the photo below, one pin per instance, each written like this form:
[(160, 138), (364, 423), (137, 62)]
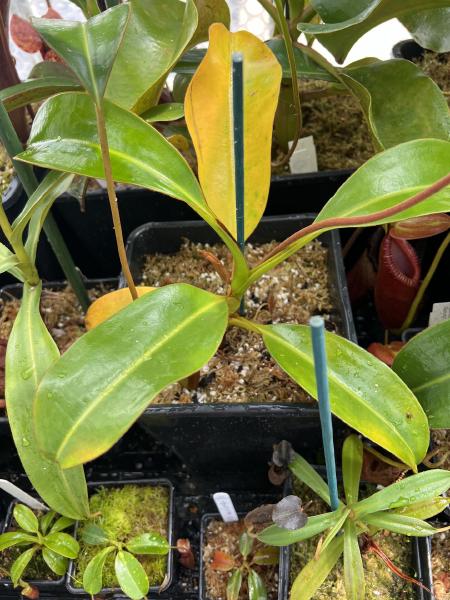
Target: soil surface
[(224, 537), (242, 370), (440, 562), (6, 170), (437, 66), (381, 583)]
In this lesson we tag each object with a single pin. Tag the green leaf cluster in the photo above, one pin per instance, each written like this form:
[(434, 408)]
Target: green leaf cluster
[(401, 508), (44, 535)]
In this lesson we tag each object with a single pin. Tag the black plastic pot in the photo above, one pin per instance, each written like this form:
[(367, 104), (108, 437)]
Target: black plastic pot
[(408, 49), (282, 583), (90, 236), (143, 482), (218, 439), (56, 587)]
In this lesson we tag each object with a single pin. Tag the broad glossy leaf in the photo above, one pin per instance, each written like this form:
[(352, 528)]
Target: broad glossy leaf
[(62, 543), (92, 534), (420, 227), (36, 209), (157, 34), (57, 563), (210, 124), (426, 509), (93, 575), (354, 578), (423, 364), (278, 536), (401, 524), (108, 305), (352, 459), (61, 524), (392, 176), (9, 262), (15, 538), (256, 588), (163, 337), (359, 386), (31, 351), (306, 473), (25, 518), (345, 21), (35, 90), (20, 564), (417, 488), (234, 585), (400, 102), (148, 543), (209, 12), (71, 144), (89, 48), (131, 576), (315, 572), (170, 111), (430, 28)]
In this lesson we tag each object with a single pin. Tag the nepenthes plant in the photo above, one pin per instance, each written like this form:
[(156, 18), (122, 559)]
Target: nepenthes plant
[(102, 384)]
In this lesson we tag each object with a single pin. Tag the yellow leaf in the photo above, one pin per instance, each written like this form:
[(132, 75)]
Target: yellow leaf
[(209, 117), (108, 305)]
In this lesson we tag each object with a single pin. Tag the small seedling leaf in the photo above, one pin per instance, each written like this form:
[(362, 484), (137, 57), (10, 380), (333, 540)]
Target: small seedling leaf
[(14, 538), (63, 544), (288, 513), (20, 564), (222, 561), (269, 555), (46, 520), (57, 563), (234, 585), (245, 544), (25, 518), (61, 524), (148, 543), (93, 575), (93, 535), (131, 576), (256, 588)]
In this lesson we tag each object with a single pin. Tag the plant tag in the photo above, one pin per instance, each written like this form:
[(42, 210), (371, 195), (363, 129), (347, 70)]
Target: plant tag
[(440, 312), (226, 507), (22, 496), (304, 159)]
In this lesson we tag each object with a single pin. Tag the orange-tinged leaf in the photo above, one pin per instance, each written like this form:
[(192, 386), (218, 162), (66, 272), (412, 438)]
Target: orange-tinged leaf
[(209, 117), (386, 352), (420, 227), (108, 305), (222, 561), (24, 36)]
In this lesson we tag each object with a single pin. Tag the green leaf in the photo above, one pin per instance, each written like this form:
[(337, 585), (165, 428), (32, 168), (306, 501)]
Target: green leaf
[(306, 473), (15, 538), (37, 207), (315, 572), (353, 566), (234, 585), (131, 576), (426, 509), (245, 544), (278, 536), (31, 351), (400, 102), (93, 535), (352, 459), (256, 588), (170, 111), (158, 33), (423, 364), (9, 262), (359, 385), (89, 7), (163, 337), (417, 488), (46, 68), (307, 68), (25, 518), (61, 524), (209, 12), (345, 21), (148, 543), (401, 524), (268, 555), (93, 574), (344, 513), (88, 48), (430, 28), (57, 563), (46, 520), (35, 90), (62, 543), (20, 564)]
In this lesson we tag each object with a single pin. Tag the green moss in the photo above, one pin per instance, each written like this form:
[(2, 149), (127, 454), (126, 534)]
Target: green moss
[(381, 582), (6, 170), (123, 513)]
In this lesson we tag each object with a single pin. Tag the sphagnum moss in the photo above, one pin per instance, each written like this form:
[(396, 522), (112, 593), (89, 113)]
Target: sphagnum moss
[(123, 513)]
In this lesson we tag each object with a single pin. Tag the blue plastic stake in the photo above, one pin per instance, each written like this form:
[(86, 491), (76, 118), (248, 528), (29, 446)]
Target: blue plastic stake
[(320, 366), (238, 136)]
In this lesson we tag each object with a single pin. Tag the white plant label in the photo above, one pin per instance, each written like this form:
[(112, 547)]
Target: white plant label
[(226, 507), (440, 312), (20, 495), (304, 159)]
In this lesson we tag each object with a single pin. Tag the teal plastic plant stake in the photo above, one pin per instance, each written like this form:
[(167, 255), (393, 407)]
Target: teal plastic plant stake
[(320, 367), (238, 133)]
